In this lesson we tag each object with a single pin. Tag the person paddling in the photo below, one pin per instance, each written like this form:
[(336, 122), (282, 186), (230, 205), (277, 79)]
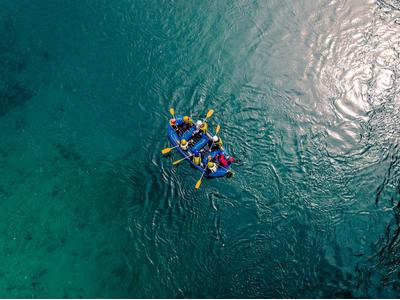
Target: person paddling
[(187, 123), (198, 125), (204, 128), (212, 166), (198, 131), (196, 158), (184, 145), (223, 160), (206, 162), (216, 143), (172, 123)]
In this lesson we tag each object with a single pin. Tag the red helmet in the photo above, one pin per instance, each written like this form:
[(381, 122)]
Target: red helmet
[(173, 121)]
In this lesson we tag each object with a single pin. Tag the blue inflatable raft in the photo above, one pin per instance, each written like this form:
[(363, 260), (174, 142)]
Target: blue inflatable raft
[(201, 145)]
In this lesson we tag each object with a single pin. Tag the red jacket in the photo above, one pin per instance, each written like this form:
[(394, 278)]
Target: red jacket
[(222, 160)]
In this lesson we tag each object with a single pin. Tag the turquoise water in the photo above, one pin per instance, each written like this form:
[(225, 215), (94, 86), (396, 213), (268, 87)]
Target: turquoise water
[(307, 95)]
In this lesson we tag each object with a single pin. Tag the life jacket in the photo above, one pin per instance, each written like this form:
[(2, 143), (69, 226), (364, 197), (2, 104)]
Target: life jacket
[(187, 122), (185, 146), (212, 168), (204, 127), (172, 123), (223, 160), (197, 160), (187, 119), (215, 145)]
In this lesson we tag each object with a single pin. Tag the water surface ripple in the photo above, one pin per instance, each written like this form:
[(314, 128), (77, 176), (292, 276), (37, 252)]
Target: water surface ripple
[(307, 96)]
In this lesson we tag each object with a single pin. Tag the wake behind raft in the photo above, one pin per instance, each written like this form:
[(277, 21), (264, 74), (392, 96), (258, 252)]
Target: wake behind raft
[(198, 146)]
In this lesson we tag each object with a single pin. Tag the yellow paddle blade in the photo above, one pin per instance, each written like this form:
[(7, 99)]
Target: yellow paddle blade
[(218, 128), (177, 162), (172, 111), (209, 113), (198, 183), (166, 150)]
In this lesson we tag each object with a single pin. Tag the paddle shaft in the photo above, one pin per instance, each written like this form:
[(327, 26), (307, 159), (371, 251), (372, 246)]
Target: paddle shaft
[(179, 160), (225, 168), (199, 181), (216, 132), (208, 115)]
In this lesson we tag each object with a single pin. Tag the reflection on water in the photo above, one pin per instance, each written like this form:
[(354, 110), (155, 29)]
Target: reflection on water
[(357, 71), (307, 96)]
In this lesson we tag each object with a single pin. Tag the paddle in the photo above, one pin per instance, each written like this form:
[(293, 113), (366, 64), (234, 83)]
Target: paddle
[(179, 160), (198, 183), (229, 170), (209, 114), (216, 132), (168, 150), (172, 112)]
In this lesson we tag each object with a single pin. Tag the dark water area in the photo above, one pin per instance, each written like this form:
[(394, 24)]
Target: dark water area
[(307, 95)]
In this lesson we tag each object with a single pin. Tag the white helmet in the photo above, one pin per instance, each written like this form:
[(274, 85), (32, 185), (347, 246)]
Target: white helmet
[(198, 123), (215, 138)]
